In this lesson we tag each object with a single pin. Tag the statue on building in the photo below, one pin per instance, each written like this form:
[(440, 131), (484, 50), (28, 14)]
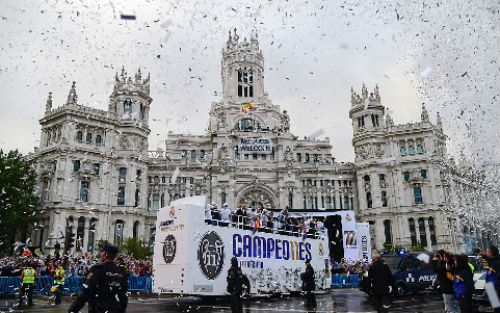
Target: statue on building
[(424, 115), (285, 121), (439, 122), (388, 120), (48, 105), (72, 96), (288, 157)]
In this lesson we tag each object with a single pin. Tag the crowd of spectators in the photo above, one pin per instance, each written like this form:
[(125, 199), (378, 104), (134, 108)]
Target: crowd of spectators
[(75, 265), (346, 267)]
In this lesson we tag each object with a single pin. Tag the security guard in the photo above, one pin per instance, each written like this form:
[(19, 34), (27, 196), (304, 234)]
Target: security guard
[(234, 286), (105, 287), (28, 277), (59, 278)]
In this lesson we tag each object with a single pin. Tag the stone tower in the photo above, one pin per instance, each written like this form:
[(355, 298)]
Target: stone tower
[(242, 69)]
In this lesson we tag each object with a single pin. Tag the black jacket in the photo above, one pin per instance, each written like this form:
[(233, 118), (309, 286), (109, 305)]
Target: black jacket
[(234, 280), (308, 281), (443, 276), (104, 289), (380, 278)]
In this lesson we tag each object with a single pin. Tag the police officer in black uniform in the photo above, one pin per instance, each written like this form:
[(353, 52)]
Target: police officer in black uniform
[(309, 285), (234, 286), (105, 287)]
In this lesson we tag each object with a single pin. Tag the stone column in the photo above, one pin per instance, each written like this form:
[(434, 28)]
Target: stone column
[(428, 234), (337, 194)]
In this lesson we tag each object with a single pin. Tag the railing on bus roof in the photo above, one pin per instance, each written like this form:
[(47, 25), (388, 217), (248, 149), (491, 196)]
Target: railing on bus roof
[(275, 227)]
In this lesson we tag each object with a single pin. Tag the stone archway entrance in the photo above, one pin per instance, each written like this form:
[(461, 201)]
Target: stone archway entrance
[(257, 198)]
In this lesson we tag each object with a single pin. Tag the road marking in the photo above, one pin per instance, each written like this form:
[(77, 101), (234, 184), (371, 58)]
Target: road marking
[(278, 309)]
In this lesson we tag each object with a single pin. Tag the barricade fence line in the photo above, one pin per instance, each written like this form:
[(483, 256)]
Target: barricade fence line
[(72, 284), (345, 281)]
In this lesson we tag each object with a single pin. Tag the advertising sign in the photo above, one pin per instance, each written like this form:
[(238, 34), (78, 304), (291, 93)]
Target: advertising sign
[(255, 146), (364, 242)]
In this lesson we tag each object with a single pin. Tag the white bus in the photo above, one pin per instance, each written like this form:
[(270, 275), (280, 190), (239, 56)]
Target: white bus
[(193, 253)]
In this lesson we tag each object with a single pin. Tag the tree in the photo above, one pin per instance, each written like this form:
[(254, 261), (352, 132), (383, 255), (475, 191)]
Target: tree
[(136, 248), (18, 200)]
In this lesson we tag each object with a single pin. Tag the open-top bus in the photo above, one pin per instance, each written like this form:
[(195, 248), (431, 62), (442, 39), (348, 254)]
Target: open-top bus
[(193, 253)]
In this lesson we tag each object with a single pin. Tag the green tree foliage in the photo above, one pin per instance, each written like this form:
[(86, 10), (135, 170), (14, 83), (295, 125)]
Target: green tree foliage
[(136, 248), (18, 202)]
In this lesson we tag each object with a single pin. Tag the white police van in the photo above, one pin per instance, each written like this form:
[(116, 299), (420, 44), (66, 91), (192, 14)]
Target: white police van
[(193, 253)]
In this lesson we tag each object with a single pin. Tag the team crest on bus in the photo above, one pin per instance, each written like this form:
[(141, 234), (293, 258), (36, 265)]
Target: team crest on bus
[(172, 211), (211, 254), (169, 248)]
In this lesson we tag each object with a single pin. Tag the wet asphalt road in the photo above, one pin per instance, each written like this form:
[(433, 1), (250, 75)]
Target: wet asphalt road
[(345, 300)]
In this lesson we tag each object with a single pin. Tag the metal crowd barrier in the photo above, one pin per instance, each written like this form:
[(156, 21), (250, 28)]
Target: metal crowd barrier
[(73, 284), (345, 281)]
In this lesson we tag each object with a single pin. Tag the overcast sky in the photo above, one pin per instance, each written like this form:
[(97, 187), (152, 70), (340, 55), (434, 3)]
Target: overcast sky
[(445, 54)]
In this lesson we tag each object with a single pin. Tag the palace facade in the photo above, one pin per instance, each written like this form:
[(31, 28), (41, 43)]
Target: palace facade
[(99, 180)]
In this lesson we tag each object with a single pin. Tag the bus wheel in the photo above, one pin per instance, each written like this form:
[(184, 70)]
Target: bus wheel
[(400, 289), (246, 287)]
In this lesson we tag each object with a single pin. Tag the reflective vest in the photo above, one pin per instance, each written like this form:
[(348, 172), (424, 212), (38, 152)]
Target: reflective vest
[(62, 276), (29, 276)]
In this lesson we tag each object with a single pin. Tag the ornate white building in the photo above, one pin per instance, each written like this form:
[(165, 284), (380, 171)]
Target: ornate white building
[(98, 179)]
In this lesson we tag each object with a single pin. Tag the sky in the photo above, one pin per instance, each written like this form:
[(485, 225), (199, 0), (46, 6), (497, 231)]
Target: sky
[(441, 53)]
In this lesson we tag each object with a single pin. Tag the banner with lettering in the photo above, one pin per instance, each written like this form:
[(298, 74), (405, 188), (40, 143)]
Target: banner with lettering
[(255, 145)]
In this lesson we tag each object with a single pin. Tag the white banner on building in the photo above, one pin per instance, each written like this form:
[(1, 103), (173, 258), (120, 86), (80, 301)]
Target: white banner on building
[(255, 145), (350, 237), (364, 242)]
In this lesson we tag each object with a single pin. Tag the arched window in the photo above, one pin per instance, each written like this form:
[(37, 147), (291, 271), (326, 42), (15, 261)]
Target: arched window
[(127, 107), (156, 201), (162, 200), (387, 232), (247, 124), (136, 198), (223, 197), (88, 138), (369, 200), (366, 178), (290, 200), (135, 230), (402, 148), (84, 191), (421, 230), (177, 196), (98, 140), (92, 230), (417, 193), (245, 82), (328, 202), (80, 233), (307, 158), (383, 197), (411, 148), (79, 136), (432, 231), (413, 232), (156, 180), (118, 237), (69, 230)]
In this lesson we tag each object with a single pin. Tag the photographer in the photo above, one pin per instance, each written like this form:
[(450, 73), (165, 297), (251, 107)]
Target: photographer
[(442, 264)]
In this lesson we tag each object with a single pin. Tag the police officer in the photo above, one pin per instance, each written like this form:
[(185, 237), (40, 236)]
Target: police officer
[(309, 284), (234, 286), (59, 278), (105, 287), (28, 277)]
